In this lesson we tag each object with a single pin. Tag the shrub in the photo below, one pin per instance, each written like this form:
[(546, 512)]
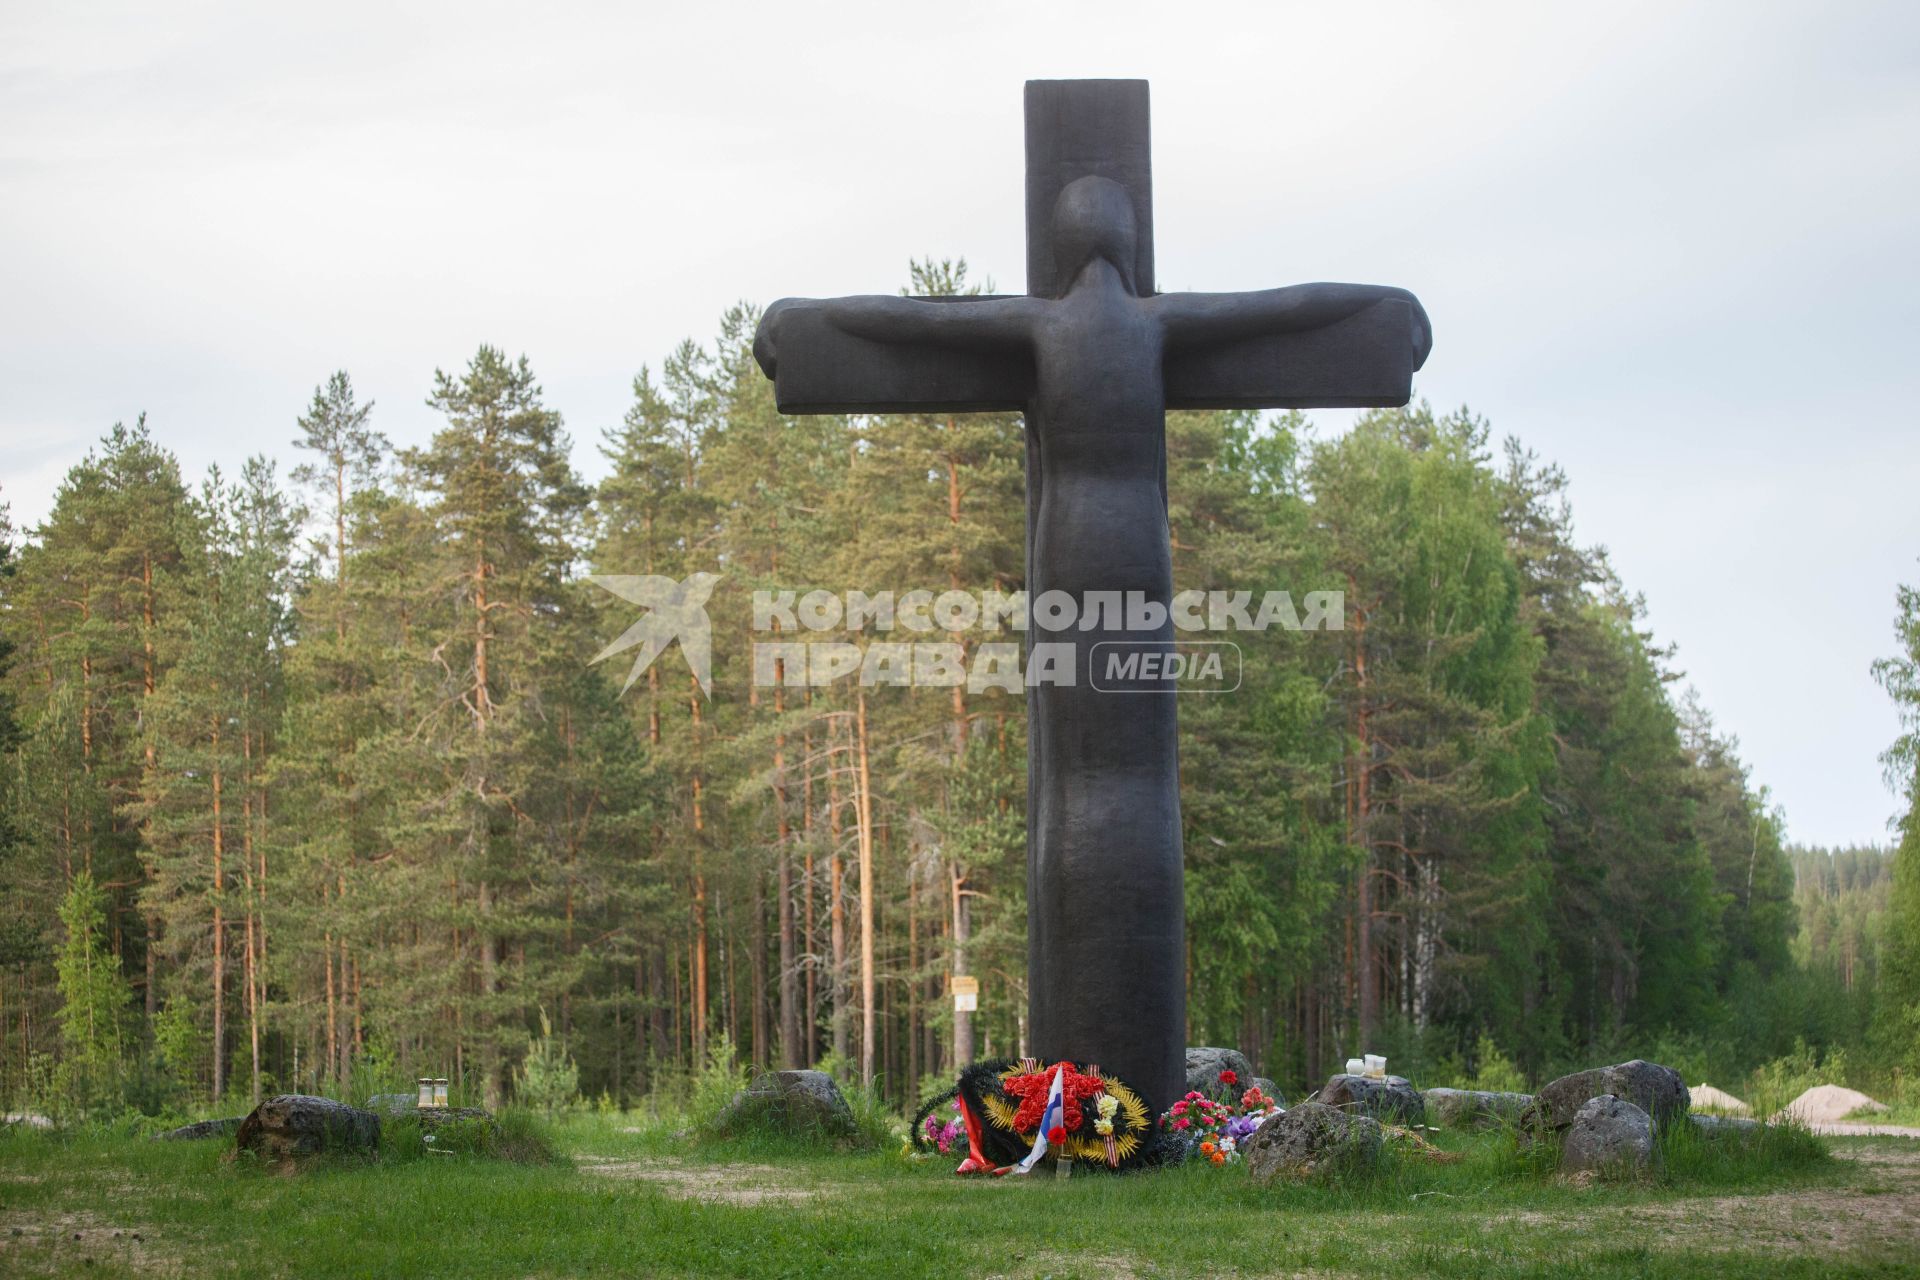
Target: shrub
[(516, 1135), (547, 1078), (1495, 1071)]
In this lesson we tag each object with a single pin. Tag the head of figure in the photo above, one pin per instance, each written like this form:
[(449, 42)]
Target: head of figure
[(1093, 218)]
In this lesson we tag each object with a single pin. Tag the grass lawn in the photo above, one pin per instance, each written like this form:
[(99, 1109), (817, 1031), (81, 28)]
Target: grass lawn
[(629, 1198)]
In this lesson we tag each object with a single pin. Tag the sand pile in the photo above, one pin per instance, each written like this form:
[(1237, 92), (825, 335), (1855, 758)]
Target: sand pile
[(1825, 1103), (1704, 1097)]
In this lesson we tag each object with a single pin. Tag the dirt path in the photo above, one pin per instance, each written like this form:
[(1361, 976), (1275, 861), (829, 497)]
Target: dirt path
[(1864, 1129), (1881, 1216), (727, 1183)]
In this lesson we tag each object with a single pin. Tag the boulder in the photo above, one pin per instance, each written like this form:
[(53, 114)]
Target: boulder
[(1390, 1098), (1205, 1064), (1710, 1126), (406, 1106), (203, 1129), (1311, 1136), (295, 1124), (1476, 1108), (1659, 1091), (1608, 1135), (799, 1102), (433, 1117)]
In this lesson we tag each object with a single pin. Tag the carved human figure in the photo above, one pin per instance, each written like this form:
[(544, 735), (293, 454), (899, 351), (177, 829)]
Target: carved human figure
[(1104, 801)]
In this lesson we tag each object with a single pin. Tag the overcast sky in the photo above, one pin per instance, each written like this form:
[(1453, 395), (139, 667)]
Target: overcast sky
[(1671, 247)]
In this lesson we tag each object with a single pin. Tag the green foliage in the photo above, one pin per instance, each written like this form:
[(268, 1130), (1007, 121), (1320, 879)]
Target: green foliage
[(517, 1135), (547, 1078), (93, 1004), (715, 1084), (1494, 1070), (179, 1041), (877, 1124), (1774, 1084), (1897, 1026), (1897, 1021)]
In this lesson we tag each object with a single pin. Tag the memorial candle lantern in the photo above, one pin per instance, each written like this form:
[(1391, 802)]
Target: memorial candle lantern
[(440, 1092), (426, 1092)]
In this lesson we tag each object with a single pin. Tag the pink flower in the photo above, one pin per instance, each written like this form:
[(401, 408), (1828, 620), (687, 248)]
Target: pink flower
[(1181, 1123), (1179, 1107)]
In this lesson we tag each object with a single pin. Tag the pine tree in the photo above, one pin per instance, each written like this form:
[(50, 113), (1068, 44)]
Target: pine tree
[(347, 641), (99, 606), (1897, 1012), (507, 509)]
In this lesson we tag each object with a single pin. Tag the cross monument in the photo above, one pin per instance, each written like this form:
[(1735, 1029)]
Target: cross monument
[(1093, 358)]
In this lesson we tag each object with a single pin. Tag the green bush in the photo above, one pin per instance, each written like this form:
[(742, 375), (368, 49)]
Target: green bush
[(1775, 1084), (1494, 1070), (515, 1135), (714, 1085), (876, 1125), (547, 1078)]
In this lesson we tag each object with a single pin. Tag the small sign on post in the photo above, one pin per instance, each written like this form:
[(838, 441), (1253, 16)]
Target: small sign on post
[(966, 993)]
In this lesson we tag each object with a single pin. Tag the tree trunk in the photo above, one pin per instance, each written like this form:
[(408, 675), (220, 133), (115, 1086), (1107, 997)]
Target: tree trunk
[(219, 931), (333, 1012), (790, 1050), (810, 938), (700, 1004), (251, 966), (490, 1065), (837, 914), (1361, 836), (148, 685), (865, 798)]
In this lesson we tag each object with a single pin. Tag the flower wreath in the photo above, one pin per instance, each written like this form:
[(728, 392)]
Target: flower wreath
[(1001, 1101)]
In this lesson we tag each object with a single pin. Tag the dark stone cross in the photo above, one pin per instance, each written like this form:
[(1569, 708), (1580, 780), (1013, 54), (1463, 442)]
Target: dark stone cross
[(1094, 358)]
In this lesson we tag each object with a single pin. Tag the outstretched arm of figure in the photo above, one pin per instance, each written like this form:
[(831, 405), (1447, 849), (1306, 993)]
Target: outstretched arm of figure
[(1192, 319), (961, 322)]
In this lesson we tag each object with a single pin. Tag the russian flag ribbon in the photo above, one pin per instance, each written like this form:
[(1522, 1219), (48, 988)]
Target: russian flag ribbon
[(1049, 1121)]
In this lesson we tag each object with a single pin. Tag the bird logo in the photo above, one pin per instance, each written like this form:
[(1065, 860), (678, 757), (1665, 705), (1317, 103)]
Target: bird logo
[(675, 611)]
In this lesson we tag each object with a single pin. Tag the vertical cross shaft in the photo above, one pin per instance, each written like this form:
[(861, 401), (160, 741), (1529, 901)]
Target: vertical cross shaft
[(1106, 914)]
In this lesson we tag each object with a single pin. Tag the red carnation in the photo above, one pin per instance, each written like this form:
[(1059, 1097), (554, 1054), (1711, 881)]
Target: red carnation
[(1056, 1134), (1032, 1089), (1229, 1078)]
